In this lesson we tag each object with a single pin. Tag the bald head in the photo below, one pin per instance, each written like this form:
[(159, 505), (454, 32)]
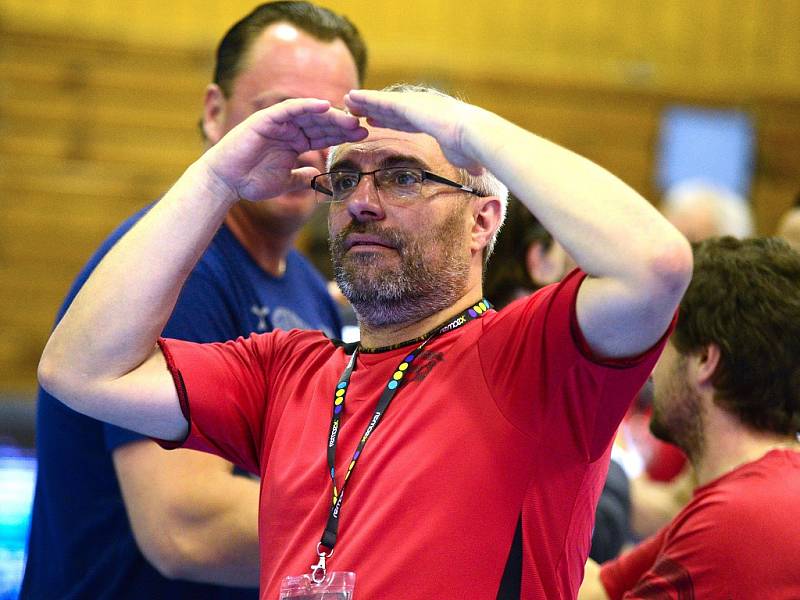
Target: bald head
[(700, 211), (789, 227)]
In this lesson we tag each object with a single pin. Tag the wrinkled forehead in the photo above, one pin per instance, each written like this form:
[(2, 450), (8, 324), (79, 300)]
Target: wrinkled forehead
[(387, 146)]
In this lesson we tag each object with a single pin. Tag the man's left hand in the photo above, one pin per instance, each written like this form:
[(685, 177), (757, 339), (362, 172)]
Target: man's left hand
[(441, 117)]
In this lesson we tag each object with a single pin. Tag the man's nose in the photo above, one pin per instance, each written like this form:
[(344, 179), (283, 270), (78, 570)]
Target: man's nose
[(364, 202)]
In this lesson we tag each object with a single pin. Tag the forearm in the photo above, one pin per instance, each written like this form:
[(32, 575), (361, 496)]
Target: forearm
[(606, 226), (219, 542), (638, 264), (100, 359), (592, 588), (191, 516)]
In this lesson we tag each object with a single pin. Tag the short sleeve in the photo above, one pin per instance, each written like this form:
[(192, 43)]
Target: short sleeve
[(223, 394), (621, 574), (200, 315), (708, 553), (545, 379)]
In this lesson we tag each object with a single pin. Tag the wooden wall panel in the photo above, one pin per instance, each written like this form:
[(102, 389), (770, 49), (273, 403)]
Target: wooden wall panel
[(96, 122), (89, 132), (720, 46)]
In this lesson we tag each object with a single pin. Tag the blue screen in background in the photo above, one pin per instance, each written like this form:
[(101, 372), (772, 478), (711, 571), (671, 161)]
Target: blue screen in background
[(17, 478), (716, 146)]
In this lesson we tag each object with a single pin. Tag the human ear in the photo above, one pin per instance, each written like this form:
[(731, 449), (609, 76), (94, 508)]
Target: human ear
[(214, 104), (707, 362), (486, 220)]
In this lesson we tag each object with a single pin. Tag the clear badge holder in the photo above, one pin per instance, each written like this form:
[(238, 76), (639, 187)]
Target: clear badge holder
[(336, 585), (319, 584)]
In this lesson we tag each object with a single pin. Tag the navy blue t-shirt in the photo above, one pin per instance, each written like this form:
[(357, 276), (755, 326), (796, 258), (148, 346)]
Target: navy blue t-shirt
[(81, 544)]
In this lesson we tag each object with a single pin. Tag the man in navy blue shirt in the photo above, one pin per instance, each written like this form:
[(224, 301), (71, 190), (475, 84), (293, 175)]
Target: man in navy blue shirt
[(115, 516)]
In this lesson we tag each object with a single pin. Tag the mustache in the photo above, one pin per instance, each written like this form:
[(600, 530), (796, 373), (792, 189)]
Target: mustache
[(387, 235)]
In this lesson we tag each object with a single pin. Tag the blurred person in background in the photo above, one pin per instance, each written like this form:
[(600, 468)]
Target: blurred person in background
[(727, 391), (789, 225), (661, 479), (525, 259), (115, 516), (700, 210)]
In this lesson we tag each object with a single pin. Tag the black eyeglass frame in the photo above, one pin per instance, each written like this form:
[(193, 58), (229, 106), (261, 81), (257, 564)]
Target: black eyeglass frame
[(426, 176)]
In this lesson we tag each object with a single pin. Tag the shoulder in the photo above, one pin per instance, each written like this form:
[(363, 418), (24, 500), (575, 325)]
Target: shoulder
[(224, 257), (726, 539), (550, 307), (292, 344), (754, 504), (221, 270), (291, 355), (298, 265)]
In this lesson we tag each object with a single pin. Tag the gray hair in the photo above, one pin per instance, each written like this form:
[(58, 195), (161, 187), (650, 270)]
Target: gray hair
[(485, 184), (731, 213)]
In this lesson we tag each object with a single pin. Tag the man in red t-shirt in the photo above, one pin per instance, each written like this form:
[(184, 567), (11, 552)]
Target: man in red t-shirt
[(492, 431), (727, 393)]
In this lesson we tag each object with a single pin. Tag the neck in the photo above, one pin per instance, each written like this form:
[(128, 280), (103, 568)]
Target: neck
[(267, 247), (729, 444), (389, 335)]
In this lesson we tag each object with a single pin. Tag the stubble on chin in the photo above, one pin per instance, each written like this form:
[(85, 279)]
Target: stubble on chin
[(426, 274)]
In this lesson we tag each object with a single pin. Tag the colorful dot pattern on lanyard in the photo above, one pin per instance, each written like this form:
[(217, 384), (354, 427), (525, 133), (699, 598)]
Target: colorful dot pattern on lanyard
[(478, 309), (397, 377), (395, 382)]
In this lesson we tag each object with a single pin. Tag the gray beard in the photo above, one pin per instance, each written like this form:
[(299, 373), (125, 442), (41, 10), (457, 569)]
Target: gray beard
[(422, 285)]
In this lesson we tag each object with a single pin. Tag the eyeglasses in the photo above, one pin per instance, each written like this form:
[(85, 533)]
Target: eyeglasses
[(397, 182)]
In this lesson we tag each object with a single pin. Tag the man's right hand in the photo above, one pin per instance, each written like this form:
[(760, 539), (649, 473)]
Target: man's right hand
[(256, 160)]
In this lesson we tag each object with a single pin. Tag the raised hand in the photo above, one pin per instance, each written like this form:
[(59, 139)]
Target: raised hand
[(256, 159), (440, 116)]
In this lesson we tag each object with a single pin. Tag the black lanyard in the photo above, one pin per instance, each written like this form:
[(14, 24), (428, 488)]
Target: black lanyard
[(389, 392)]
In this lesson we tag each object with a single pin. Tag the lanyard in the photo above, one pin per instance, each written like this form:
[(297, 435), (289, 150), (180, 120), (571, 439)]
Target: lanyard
[(392, 387)]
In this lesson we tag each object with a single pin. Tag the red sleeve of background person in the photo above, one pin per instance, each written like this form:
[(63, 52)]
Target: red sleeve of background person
[(621, 574), (737, 538), (666, 461), (662, 461)]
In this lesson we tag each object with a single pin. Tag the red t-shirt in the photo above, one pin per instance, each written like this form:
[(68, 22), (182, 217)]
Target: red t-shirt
[(507, 417), (739, 537)]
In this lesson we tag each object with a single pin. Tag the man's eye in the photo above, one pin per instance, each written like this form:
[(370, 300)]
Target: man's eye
[(343, 182), (406, 178)]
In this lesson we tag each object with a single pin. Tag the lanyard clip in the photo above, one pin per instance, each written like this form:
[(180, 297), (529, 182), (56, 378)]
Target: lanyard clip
[(318, 571)]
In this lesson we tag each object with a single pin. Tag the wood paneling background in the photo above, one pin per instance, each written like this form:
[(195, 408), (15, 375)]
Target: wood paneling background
[(99, 103), (721, 46)]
